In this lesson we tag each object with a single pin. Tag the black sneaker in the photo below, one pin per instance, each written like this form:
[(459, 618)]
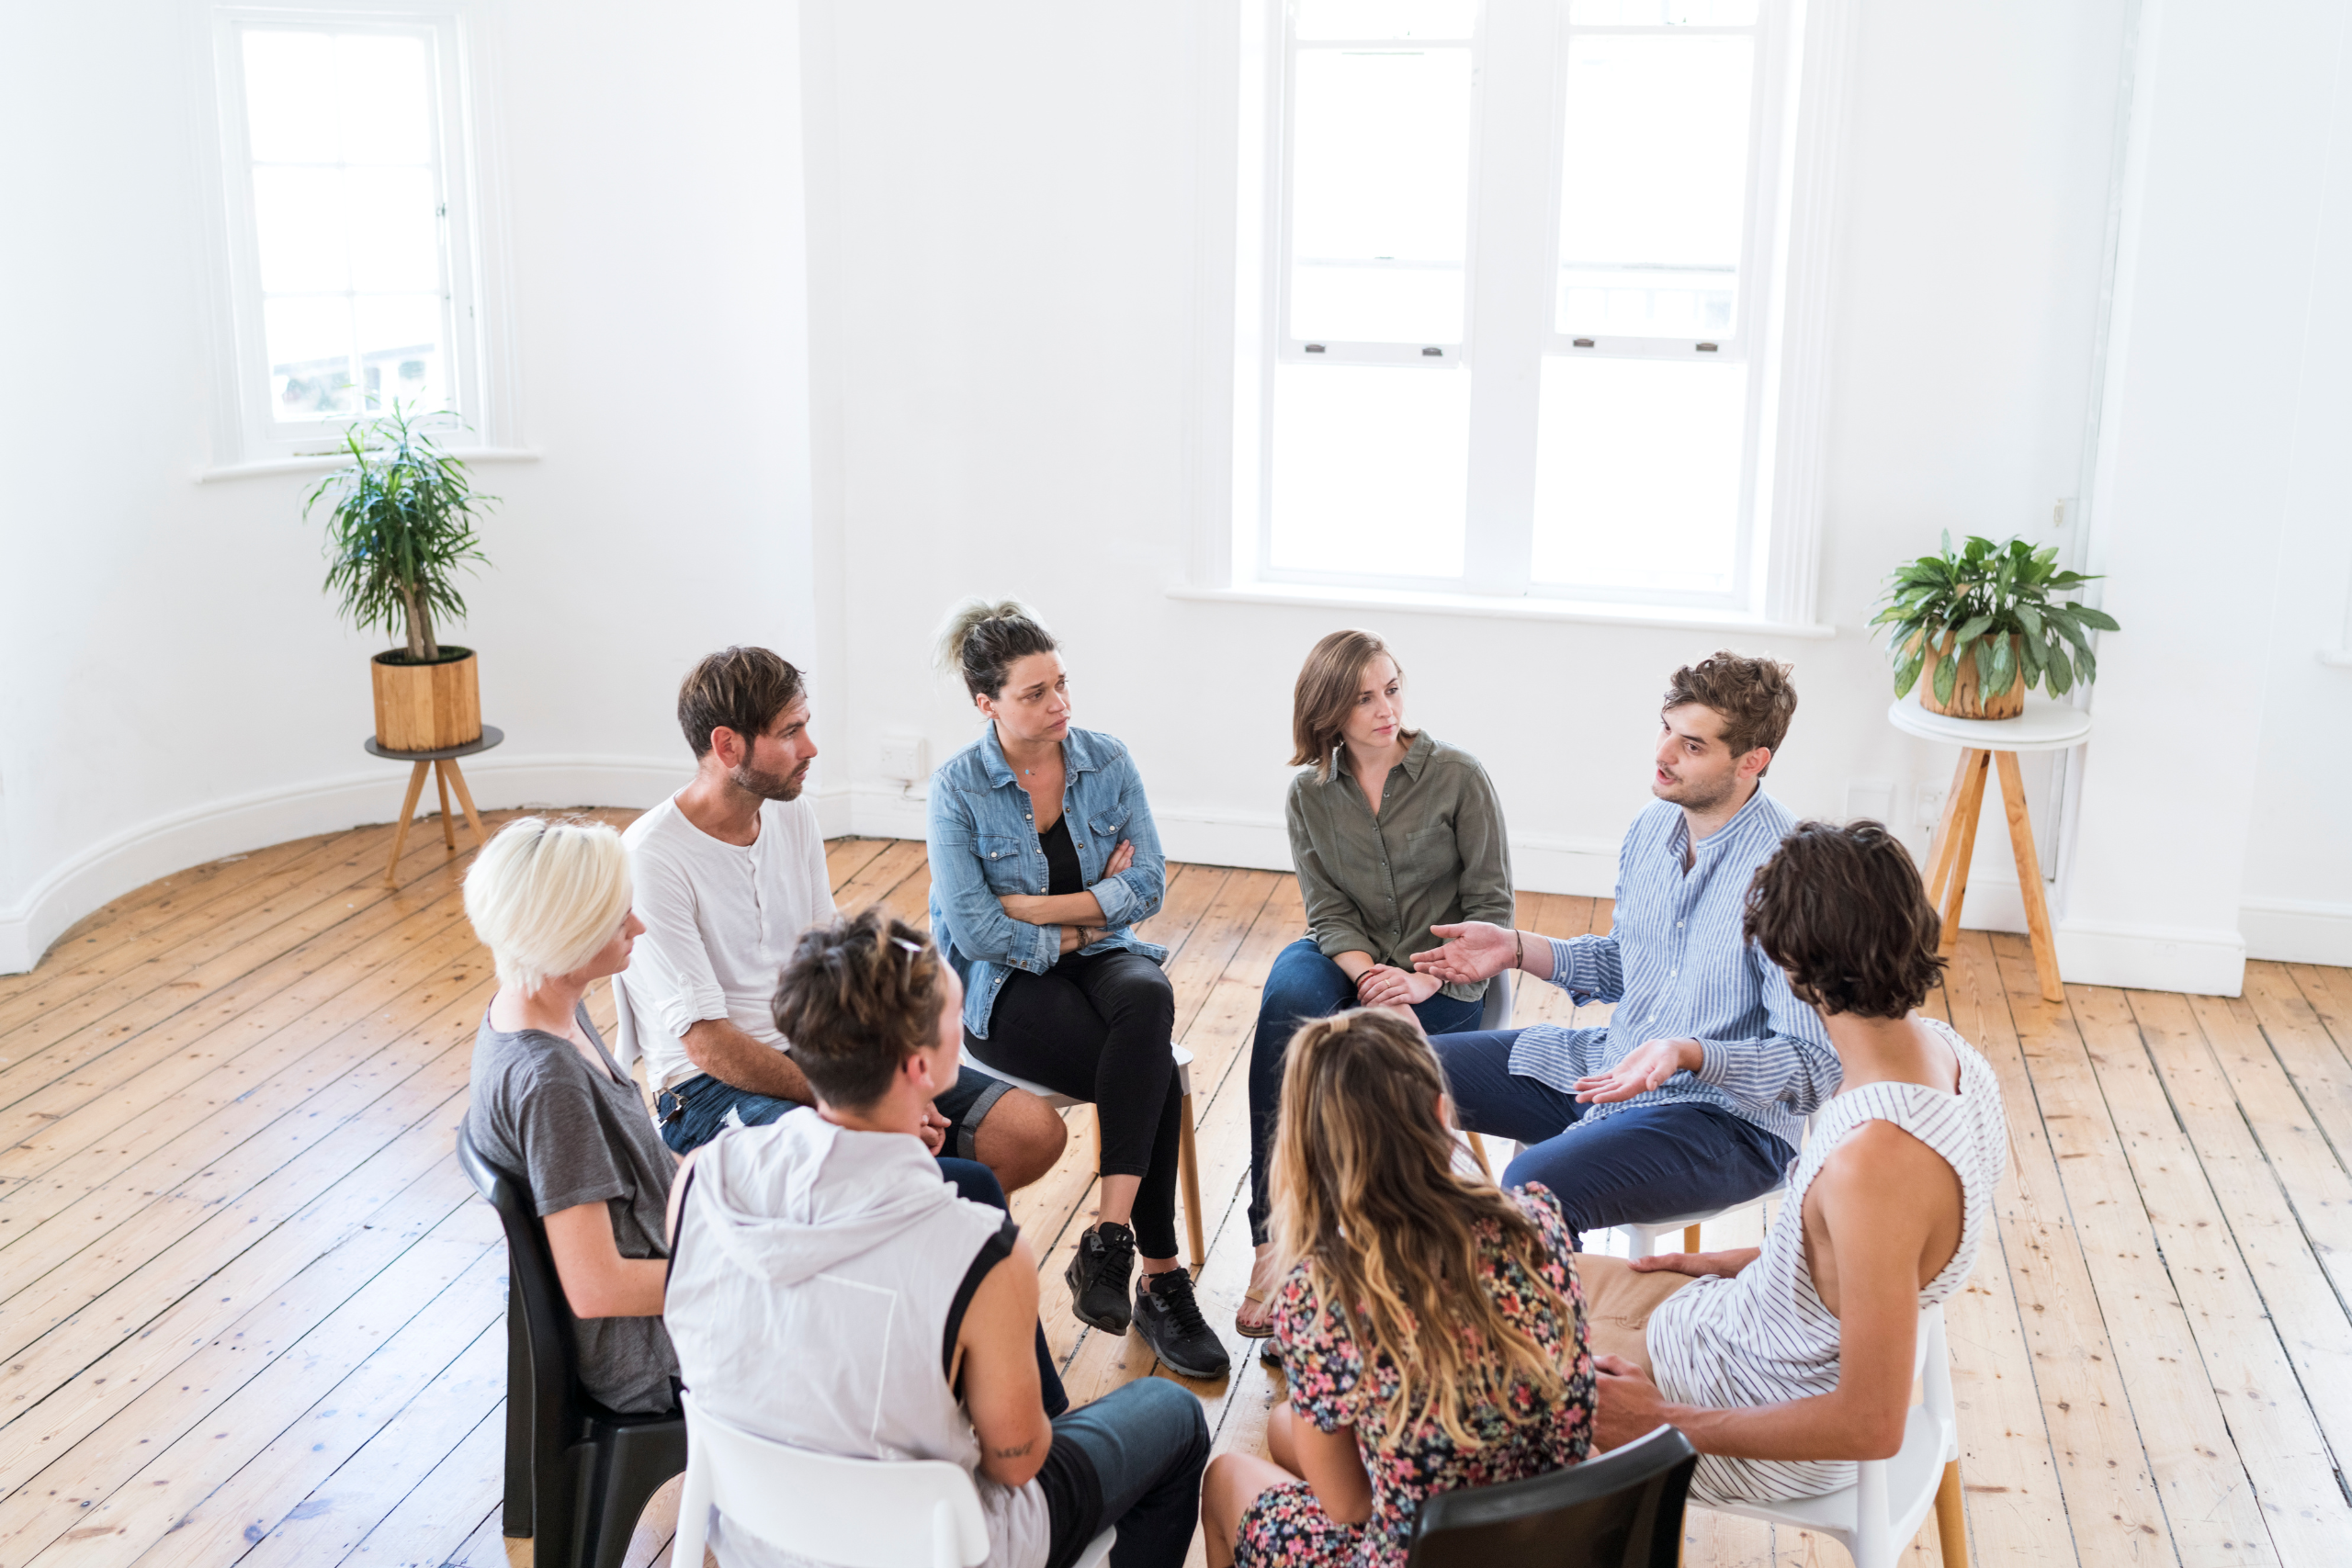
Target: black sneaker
[(1172, 1323), (1098, 1274)]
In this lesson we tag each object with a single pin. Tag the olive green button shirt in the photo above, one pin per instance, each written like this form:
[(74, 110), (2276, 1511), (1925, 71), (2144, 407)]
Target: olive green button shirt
[(1435, 855)]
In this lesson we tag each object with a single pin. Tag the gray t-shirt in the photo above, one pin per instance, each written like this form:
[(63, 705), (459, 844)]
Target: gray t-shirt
[(577, 1136)]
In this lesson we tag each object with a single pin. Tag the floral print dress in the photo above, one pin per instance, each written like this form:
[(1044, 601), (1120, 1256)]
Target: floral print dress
[(1286, 1528)]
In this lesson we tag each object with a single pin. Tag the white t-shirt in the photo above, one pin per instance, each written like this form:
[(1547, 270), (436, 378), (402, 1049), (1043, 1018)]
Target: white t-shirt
[(720, 919)]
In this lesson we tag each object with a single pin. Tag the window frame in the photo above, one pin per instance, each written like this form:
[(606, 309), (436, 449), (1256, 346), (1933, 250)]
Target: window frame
[(250, 434), (1798, 89)]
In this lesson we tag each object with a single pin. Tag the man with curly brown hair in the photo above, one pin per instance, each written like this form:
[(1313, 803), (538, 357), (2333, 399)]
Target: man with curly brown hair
[(1691, 1098)]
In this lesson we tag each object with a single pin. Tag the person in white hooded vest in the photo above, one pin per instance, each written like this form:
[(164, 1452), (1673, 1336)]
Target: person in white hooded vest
[(828, 1290)]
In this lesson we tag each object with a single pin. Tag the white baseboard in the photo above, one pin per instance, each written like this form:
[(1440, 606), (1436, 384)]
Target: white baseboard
[(2095, 952), (2201, 961), (1540, 863), (2297, 930), (137, 855)]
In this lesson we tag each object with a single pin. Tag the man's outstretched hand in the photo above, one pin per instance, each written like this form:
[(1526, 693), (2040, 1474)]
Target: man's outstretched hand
[(1472, 950), (1644, 1069)]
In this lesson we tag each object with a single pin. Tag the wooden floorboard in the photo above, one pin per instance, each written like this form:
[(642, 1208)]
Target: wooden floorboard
[(250, 1310)]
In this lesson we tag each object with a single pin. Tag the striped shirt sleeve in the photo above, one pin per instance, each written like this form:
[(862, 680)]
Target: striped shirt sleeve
[(1794, 1065)]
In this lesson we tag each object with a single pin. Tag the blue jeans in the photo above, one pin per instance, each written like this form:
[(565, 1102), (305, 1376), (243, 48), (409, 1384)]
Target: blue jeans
[(701, 1112), (1304, 984), (1147, 1443), (1647, 1162), (691, 1114)]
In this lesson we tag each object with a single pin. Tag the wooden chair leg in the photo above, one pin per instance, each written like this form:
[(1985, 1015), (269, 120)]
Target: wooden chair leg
[(1478, 1153), (1939, 855), (1188, 1167), (466, 799), (1952, 1519), (448, 831), (400, 830), (2037, 906), (1970, 802), (1689, 1239)]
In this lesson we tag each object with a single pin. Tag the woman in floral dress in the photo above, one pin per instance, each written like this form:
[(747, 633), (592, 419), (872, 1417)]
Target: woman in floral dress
[(1431, 1326)]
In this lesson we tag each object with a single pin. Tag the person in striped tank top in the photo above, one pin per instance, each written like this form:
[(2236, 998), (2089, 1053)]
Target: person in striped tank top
[(1786, 1364)]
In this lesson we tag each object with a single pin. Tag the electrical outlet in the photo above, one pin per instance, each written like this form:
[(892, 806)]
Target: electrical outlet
[(1928, 807), (1870, 799), (906, 757)]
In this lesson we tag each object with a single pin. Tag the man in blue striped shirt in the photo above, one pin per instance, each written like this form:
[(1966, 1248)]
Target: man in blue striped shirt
[(1692, 1097)]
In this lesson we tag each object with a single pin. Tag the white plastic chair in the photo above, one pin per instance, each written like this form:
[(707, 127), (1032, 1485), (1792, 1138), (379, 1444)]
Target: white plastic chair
[(853, 1513), (1641, 1238), (1188, 1161), (1875, 1518)]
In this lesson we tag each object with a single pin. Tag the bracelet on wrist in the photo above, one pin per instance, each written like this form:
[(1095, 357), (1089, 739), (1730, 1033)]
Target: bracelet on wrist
[(1519, 949)]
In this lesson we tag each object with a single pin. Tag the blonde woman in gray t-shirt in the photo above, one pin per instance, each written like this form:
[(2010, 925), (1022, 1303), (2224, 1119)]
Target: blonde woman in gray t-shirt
[(548, 1103), (1392, 831)]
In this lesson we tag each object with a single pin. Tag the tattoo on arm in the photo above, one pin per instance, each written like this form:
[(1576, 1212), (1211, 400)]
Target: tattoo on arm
[(1014, 1453)]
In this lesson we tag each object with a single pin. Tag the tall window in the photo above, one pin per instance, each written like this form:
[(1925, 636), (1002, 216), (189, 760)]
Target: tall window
[(1518, 294), (350, 242)]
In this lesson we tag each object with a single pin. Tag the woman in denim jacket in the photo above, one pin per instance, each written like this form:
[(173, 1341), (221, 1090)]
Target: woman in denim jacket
[(1043, 856)]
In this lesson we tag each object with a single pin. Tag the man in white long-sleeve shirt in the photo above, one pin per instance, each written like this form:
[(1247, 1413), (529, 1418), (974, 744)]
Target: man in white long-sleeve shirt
[(1694, 1096), (729, 872)]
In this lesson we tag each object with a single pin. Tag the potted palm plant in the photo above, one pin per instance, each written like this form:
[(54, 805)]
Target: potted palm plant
[(400, 525), (1973, 630)]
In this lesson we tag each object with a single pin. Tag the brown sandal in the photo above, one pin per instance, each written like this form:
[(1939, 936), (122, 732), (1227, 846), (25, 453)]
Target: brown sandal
[(1263, 1331)]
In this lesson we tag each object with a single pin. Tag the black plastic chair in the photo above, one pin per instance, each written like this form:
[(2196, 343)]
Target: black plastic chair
[(1621, 1510), (577, 1474)]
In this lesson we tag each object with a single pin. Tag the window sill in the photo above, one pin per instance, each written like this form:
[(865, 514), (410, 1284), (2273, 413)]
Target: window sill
[(1667, 618), (324, 461)]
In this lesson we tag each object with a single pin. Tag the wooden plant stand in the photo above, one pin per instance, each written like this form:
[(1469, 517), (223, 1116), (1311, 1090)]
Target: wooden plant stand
[(1986, 745), (442, 764)]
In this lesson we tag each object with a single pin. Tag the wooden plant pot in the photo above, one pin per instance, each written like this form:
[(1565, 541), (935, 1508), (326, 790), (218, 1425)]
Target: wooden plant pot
[(1966, 703), (426, 707)]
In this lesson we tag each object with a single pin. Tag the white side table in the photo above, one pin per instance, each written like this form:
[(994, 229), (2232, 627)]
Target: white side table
[(2046, 726)]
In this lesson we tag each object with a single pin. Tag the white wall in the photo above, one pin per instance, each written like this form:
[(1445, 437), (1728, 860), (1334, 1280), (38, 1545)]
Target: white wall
[(2219, 514), (2296, 901), (176, 686), (1006, 214), (995, 389)]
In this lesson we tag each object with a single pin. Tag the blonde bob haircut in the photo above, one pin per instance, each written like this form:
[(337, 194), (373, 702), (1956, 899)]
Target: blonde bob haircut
[(546, 897), (1326, 695)]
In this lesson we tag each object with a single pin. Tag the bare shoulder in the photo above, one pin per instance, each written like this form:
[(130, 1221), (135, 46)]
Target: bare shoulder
[(1879, 1164)]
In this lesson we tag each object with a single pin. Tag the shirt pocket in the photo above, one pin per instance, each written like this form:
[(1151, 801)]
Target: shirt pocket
[(1429, 857), (1003, 862), (1108, 831)]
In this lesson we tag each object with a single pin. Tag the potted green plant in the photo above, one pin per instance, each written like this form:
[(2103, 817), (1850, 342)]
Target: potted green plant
[(399, 528), (1983, 625)]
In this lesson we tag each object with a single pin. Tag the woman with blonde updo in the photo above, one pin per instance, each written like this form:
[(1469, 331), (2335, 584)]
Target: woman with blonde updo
[(1430, 1326)]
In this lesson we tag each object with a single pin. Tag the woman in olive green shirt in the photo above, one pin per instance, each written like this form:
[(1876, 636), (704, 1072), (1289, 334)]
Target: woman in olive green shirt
[(1391, 833)]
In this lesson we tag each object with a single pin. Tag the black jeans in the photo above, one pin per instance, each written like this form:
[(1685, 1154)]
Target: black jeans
[(1097, 1028)]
